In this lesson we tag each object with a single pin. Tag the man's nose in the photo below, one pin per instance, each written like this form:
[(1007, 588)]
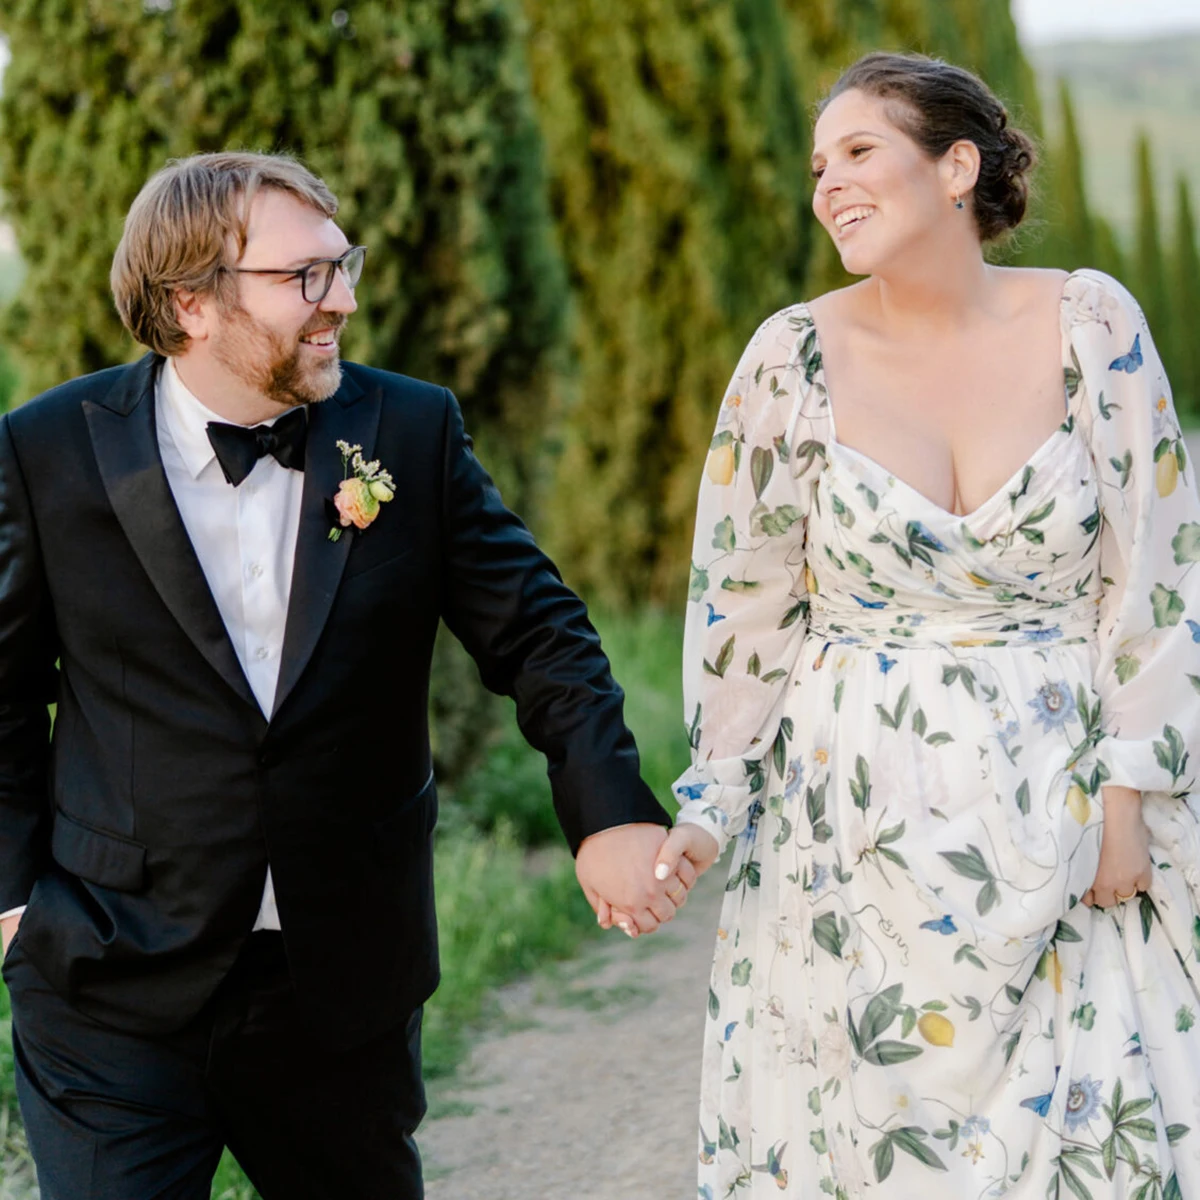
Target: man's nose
[(340, 297)]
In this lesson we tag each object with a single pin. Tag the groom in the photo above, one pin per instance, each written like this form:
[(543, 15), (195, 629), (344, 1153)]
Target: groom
[(226, 564)]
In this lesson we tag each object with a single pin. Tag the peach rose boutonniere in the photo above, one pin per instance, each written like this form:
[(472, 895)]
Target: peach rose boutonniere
[(360, 494)]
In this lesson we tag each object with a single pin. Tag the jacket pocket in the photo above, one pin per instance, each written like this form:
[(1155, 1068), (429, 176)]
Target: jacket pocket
[(106, 859)]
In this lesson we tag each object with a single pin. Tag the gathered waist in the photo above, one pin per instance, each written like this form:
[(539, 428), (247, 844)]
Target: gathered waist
[(1032, 625)]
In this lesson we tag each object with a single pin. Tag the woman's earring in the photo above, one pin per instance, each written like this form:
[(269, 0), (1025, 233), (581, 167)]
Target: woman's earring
[(958, 202)]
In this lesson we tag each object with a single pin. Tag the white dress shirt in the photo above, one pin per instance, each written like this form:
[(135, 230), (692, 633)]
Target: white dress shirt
[(245, 539)]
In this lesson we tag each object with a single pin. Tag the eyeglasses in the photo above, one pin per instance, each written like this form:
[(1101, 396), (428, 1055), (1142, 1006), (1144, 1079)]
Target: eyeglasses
[(317, 277)]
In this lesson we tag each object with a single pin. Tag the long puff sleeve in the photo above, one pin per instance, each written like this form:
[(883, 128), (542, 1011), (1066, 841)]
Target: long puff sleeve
[(747, 600), (1148, 673)]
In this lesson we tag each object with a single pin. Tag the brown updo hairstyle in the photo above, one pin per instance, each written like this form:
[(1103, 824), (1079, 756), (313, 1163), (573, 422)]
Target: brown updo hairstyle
[(937, 105)]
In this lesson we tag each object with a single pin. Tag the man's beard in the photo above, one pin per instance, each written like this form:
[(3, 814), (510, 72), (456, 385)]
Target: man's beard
[(267, 362)]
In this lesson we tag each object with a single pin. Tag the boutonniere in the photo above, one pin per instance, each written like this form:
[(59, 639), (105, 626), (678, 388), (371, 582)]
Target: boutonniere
[(360, 494)]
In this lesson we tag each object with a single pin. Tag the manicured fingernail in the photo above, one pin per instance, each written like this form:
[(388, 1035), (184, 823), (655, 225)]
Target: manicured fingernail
[(661, 871), (626, 930)]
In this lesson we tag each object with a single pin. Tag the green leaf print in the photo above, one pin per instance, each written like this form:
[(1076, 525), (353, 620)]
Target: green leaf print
[(724, 537), (1127, 667), (753, 664), (882, 1009), (970, 864), (941, 738), (1148, 913), (826, 935), (869, 496), (1194, 680), (740, 975), (781, 448), (1171, 754), (919, 722), (724, 658), (844, 515), (860, 785), (738, 585), (1168, 606), (806, 454), (728, 1138), (714, 1005), (892, 720), (793, 614), (762, 464), (908, 1140), (1023, 797), (885, 1159), (1185, 1018), (1073, 375), (697, 583), (814, 803), (777, 523), (1186, 543), (774, 676), (1123, 468), (889, 1054), (693, 732), (1085, 1015), (860, 564)]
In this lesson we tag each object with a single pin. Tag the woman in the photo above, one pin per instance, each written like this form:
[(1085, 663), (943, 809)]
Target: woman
[(941, 675)]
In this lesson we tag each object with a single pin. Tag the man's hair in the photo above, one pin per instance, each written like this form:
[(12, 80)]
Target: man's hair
[(179, 231)]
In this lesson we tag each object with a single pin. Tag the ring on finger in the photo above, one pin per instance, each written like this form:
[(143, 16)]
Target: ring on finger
[(1120, 898), (679, 891)]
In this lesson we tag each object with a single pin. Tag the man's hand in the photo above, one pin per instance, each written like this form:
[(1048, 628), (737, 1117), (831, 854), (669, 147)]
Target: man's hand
[(615, 868), (8, 930), (1125, 867)]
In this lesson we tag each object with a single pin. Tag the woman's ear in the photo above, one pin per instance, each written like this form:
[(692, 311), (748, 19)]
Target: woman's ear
[(960, 168)]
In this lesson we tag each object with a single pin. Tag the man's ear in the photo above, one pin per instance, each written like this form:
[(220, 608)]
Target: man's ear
[(192, 313)]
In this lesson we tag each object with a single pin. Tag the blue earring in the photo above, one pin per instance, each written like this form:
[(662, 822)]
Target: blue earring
[(958, 202)]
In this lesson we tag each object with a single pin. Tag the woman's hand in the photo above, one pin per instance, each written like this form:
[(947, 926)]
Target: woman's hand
[(1125, 867)]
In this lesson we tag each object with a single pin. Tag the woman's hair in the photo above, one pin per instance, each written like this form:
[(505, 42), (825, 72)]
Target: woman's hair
[(937, 105), (180, 230)]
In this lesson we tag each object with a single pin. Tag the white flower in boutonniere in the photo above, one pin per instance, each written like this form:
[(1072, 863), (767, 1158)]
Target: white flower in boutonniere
[(359, 495)]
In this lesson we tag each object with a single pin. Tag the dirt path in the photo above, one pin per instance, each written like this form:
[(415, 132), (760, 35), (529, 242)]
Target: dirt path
[(588, 1087)]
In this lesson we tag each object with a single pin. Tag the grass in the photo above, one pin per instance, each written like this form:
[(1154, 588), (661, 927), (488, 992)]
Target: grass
[(501, 910)]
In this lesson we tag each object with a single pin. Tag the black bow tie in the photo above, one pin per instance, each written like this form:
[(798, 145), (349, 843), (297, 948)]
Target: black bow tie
[(239, 447)]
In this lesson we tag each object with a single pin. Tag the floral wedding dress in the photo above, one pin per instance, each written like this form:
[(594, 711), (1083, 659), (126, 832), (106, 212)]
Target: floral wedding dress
[(904, 718)]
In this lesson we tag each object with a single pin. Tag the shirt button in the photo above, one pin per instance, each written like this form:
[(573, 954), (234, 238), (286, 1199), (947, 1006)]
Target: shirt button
[(255, 570), (262, 652)]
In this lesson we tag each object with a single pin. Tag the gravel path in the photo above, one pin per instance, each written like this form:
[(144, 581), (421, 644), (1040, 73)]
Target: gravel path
[(588, 1087)]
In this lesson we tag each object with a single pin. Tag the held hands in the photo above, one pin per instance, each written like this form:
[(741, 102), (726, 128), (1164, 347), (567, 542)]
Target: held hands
[(638, 876), (1125, 867)]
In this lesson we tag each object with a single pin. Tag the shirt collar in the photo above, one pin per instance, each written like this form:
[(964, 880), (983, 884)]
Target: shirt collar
[(187, 420)]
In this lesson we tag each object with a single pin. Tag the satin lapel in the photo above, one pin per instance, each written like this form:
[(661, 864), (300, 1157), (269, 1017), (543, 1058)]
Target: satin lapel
[(352, 416), (125, 440)]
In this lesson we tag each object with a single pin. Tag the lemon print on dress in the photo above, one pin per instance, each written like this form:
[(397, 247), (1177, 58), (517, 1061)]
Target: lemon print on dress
[(1078, 804), (936, 1029), (720, 465), (1166, 474)]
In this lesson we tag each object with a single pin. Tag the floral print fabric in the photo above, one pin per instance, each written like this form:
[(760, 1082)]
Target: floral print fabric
[(904, 719)]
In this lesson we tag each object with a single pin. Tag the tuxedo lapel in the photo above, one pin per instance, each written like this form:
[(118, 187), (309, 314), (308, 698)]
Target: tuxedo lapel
[(350, 415), (125, 439)]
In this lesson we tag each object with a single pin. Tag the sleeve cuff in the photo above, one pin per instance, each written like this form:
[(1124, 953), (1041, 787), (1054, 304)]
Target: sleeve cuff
[(1134, 763), (12, 912), (710, 818)]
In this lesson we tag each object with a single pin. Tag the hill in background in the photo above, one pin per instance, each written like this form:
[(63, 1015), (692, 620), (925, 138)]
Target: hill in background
[(1119, 88)]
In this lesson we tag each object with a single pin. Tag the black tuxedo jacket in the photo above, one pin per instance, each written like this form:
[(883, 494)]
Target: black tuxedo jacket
[(140, 833)]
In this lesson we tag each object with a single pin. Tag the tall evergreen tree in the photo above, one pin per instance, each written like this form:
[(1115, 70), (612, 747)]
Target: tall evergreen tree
[(1147, 274), (1072, 237), (419, 116), (678, 146), (1185, 301)]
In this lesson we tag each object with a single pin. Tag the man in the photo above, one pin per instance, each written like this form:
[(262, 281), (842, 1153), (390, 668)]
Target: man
[(219, 876)]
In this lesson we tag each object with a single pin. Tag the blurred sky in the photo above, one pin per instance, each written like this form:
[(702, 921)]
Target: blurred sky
[(1116, 20)]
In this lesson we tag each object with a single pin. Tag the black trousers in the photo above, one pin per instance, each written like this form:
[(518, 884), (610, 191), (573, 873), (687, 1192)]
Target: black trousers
[(114, 1116)]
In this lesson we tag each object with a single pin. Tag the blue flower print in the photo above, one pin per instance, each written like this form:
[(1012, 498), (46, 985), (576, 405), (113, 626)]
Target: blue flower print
[(795, 777), (1053, 706), (1083, 1102), (752, 814), (1050, 634), (975, 1126), (820, 879)]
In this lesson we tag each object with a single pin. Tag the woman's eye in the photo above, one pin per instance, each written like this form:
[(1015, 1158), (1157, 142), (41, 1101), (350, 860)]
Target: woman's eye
[(817, 172), (859, 150)]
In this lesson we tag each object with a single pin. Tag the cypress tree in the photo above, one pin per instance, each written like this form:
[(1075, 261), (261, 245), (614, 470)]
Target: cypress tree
[(1185, 301), (418, 115), (678, 149), (1073, 236), (1147, 275)]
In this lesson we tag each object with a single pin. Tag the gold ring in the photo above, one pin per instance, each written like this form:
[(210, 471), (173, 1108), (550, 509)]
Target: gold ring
[(1124, 899), (677, 892)]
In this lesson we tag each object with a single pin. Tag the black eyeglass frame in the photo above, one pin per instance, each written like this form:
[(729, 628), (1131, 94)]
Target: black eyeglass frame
[(302, 272)]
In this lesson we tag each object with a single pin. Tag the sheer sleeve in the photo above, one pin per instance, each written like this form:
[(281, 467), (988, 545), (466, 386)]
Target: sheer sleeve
[(1148, 672), (747, 600)]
